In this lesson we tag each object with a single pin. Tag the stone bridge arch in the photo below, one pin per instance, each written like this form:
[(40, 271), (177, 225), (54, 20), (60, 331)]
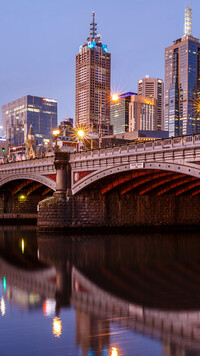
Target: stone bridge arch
[(34, 177), (95, 176)]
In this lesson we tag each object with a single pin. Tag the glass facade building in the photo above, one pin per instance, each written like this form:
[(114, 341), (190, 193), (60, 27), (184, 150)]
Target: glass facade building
[(119, 113), (182, 85), (18, 115)]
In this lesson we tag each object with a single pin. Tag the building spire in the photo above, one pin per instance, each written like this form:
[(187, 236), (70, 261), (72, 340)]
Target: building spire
[(188, 20), (93, 27)]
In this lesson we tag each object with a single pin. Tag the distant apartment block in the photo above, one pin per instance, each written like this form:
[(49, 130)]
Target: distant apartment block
[(18, 115), (153, 88), (142, 113)]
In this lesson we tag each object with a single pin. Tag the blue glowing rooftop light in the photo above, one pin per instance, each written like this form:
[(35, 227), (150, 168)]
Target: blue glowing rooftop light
[(91, 44), (124, 95), (105, 48)]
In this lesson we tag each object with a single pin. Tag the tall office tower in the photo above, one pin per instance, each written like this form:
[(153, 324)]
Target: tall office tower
[(93, 70), (18, 115), (182, 82), (119, 113), (153, 88), (142, 113)]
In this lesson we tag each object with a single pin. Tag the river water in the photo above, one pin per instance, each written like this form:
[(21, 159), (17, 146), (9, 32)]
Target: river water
[(106, 295)]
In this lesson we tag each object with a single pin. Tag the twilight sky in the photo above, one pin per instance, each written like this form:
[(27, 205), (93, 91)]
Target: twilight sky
[(40, 38)]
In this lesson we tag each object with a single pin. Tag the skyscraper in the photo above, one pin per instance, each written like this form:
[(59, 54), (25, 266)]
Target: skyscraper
[(17, 117), (93, 71), (153, 88), (182, 82), (142, 113), (119, 113)]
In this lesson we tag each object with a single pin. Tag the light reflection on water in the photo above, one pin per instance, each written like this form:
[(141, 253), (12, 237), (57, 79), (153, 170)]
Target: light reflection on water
[(99, 295)]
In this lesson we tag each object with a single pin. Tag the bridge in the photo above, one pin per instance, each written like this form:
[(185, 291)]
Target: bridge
[(176, 158), (137, 184), (158, 168), (176, 155)]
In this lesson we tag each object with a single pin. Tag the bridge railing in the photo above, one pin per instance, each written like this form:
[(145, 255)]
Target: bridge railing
[(133, 147), (28, 162)]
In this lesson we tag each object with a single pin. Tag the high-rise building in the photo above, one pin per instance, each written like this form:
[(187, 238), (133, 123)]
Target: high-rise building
[(17, 117), (93, 70), (142, 113), (153, 88), (182, 82), (119, 113)]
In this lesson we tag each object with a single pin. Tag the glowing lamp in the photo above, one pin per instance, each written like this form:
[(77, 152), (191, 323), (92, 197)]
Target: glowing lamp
[(56, 132), (114, 352), (115, 97), (22, 198), (81, 133)]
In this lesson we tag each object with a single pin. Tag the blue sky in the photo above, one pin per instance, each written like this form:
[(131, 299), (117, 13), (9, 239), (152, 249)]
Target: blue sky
[(40, 38)]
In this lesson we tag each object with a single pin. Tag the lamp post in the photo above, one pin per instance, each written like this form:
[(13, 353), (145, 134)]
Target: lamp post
[(80, 136), (56, 133)]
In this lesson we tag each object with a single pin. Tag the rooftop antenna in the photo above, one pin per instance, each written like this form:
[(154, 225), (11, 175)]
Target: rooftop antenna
[(93, 27), (188, 20)]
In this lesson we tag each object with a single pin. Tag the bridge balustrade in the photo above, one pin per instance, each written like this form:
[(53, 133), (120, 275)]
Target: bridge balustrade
[(157, 144), (167, 143), (116, 149), (132, 147), (140, 146), (110, 150), (96, 153), (148, 144), (188, 140), (89, 153)]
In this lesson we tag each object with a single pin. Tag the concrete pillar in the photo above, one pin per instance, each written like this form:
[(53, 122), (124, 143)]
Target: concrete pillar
[(63, 173)]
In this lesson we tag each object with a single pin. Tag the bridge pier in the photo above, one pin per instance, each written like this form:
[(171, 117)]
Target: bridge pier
[(63, 174), (56, 212)]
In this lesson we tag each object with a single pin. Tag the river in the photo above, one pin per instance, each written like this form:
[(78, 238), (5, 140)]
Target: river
[(103, 294)]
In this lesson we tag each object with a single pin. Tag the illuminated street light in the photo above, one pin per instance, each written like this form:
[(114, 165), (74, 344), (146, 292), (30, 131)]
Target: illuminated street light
[(22, 198), (114, 352), (81, 133), (115, 97), (56, 133)]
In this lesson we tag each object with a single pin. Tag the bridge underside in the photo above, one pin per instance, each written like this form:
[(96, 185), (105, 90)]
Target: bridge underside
[(150, 197), (157, 182), (22, 196)]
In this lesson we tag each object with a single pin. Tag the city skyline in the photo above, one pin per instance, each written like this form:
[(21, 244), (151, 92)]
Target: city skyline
[(38, 56)]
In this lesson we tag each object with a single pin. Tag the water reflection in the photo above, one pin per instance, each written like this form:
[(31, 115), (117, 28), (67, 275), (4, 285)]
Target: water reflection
[(3, 306), (57, 327), (145, 284)]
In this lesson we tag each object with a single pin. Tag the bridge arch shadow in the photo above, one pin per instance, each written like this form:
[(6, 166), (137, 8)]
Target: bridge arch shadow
[(46, 181), (21, 194)]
